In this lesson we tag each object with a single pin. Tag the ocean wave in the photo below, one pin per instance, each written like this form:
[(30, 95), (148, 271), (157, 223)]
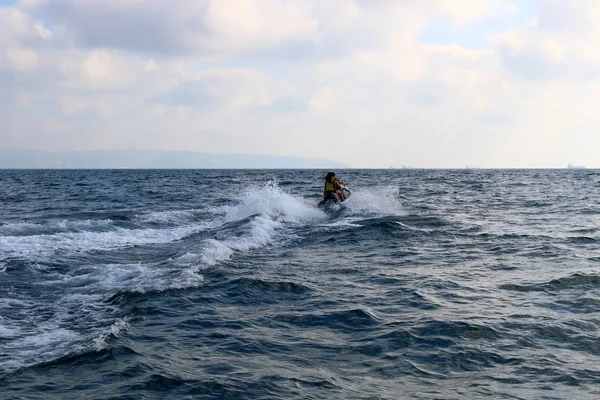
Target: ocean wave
[(352, 319), (582, 239), (574, 281), (258, 219), (375, 201), (172, 217), (36, 348), (46, 331), (41, 247), (460, 360), (273, 286), (52, 227), (271, 200)]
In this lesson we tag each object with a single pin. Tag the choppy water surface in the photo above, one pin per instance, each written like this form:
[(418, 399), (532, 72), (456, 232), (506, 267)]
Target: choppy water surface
[(428, 284)]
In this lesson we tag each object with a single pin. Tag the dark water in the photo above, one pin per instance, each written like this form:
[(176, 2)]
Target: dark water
[(231, 284)]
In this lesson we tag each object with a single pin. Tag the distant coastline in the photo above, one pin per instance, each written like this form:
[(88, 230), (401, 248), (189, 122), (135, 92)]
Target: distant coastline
[(152, 159)]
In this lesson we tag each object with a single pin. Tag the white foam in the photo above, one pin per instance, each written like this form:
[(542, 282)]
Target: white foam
[(109, 278), (44, 345), (269, 209), (187, 258), (34, 247), (261, 232), (168, 217), (342, 223), (100, 342), (139, 278), (189, 278), (29, 228), (381, 200), (274, 202), (215, 251), (44, 339), (413, 228), (6, 333)]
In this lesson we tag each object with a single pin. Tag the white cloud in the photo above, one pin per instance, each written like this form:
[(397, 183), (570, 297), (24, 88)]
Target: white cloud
[(42, 31), (323, 100), (259, 23), (561, 42), (278, 76), (21, 58), (183, 26)]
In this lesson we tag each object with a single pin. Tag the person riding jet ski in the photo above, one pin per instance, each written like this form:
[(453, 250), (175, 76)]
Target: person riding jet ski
[(333, 185), (335, 191)]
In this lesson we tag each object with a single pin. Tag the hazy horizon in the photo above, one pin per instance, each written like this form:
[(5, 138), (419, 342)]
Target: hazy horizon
[(153, 159), (364, 83), (166, 159)]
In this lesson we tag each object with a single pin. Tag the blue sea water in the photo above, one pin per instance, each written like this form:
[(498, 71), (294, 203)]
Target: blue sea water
[(231, 284)]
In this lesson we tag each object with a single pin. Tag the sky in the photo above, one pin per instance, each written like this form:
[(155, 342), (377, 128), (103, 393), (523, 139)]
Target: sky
[(369, 83)]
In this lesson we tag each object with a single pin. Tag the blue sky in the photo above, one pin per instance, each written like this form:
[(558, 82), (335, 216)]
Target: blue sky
[(431, 83)]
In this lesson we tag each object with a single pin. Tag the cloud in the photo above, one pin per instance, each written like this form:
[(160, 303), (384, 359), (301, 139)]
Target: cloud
[(204, 28), (229, 88), (287, 76), (560, 43), (217, 27)]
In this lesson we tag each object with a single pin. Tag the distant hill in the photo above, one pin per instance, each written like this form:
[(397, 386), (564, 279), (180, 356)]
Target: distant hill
[(146, 159)]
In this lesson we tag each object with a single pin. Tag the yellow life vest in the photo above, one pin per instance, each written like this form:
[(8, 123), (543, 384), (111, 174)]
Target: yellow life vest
[(329, 187)]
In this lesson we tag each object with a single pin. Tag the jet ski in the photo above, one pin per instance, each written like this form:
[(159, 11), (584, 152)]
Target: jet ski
[(332, 200)]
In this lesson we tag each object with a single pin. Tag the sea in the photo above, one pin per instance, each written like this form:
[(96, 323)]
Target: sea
[(232, 284)]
